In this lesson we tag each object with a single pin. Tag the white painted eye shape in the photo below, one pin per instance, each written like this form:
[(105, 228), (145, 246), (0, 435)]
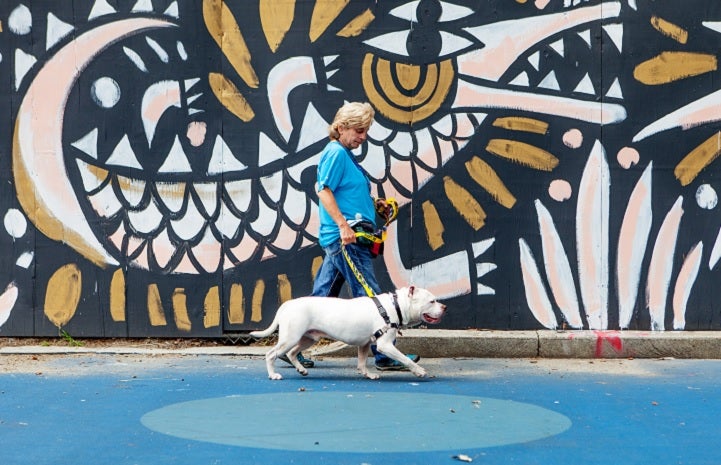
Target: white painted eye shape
[(451, 11), (396, 43)]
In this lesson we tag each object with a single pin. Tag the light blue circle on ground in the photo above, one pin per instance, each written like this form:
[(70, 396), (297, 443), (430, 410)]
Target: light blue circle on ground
[(357, 421)]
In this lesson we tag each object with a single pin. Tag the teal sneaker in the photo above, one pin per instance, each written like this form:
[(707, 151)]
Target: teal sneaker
[(388, 364), (305, 362)]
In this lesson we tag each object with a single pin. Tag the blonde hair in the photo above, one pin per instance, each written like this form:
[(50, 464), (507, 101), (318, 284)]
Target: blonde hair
[(351, 115)]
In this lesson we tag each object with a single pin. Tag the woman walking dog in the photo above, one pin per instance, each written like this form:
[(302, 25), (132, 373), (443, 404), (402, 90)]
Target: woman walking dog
[(347, 208)]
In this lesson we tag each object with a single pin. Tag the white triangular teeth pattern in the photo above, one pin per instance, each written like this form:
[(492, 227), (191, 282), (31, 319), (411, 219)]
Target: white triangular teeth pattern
[(586, 36), (189, 83), (482, 246), (558, 47), (585, 86), (177, 160), (88, 144), (521, 80), (313, 129), (535, 60), (483, 269), (222, 160), (101, 8), (172, 11), (123, 155), (615, 32), (550, 82), (268, 151)]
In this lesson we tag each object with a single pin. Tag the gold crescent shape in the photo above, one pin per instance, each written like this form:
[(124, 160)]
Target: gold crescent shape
[(44, 192)]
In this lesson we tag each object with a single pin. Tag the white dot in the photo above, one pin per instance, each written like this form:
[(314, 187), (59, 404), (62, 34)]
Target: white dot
[(15, 223), (706, 197), (20, 20), (106, 92)]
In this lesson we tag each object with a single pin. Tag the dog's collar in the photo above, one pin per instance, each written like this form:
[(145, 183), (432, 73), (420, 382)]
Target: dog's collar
[(384, 314)]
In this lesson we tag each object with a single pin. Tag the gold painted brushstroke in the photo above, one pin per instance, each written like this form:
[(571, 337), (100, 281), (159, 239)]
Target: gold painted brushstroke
[(230, 97), (486, 177), (384, 72), (465, 204), (408, 75), (324, 13), (518, 123), (673, 66), (236, 306), (62, 294), (433, 224), (155, 307), (523, 154), (276, 18), (117, 296), (669, 29), (698, 159), (211, 308), (315, 266), (224, 29), (180, 310), (427, 104), (257, 309), (357, 25), (285, 291)]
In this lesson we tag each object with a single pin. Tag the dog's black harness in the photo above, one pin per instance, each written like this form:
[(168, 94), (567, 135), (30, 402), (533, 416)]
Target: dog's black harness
[(384, 314)]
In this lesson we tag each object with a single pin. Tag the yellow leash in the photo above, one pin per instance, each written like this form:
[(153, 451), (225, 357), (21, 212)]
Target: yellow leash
[(357, 273)]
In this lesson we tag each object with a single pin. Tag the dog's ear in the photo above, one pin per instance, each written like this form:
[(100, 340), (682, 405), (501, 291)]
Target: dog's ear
[(411, 290)]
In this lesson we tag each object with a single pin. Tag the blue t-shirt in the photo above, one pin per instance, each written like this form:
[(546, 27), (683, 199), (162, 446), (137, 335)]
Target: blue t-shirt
[(339, 172)]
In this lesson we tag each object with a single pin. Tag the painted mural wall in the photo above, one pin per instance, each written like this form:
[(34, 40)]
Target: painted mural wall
[(554, 160)]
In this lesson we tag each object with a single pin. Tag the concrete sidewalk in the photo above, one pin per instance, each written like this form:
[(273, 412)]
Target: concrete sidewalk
[(438, 343)]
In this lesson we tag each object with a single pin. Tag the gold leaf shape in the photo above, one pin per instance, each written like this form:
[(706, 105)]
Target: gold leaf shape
[(276, 17), (236, 307), (224, 29), (324, 13), (698, 159), (673, 66), (155, 307), (357, 24), (486, 177), (669, 29), (117, 296), (63, 294), (180, 309), (433, 224), (211, 306), (257, 306), (523, 154), (518, 123), (230, 97), (464, 203)]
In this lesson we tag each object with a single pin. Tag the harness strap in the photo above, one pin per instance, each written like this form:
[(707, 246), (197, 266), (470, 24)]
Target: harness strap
[(372, 295)]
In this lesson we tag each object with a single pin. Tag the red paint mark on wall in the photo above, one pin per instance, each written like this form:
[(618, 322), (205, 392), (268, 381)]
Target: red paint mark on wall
[(612, 337)]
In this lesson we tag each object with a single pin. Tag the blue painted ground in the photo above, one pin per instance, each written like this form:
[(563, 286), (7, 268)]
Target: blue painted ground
[(223, 410)]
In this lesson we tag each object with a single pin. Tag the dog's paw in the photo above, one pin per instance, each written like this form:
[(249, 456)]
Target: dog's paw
[(420, 372), (275, 376), (371, 375), (303, 372)]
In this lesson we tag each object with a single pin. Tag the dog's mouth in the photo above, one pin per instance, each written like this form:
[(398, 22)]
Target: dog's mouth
[(431, 319)]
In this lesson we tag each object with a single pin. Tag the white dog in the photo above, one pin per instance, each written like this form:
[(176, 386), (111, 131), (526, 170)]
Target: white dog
[(359, 322)]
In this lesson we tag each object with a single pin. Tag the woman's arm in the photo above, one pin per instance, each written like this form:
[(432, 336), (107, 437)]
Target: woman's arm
[(326, 197)]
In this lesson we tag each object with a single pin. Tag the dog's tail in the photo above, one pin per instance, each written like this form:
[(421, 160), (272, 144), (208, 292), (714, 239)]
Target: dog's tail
[(267, 331)]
